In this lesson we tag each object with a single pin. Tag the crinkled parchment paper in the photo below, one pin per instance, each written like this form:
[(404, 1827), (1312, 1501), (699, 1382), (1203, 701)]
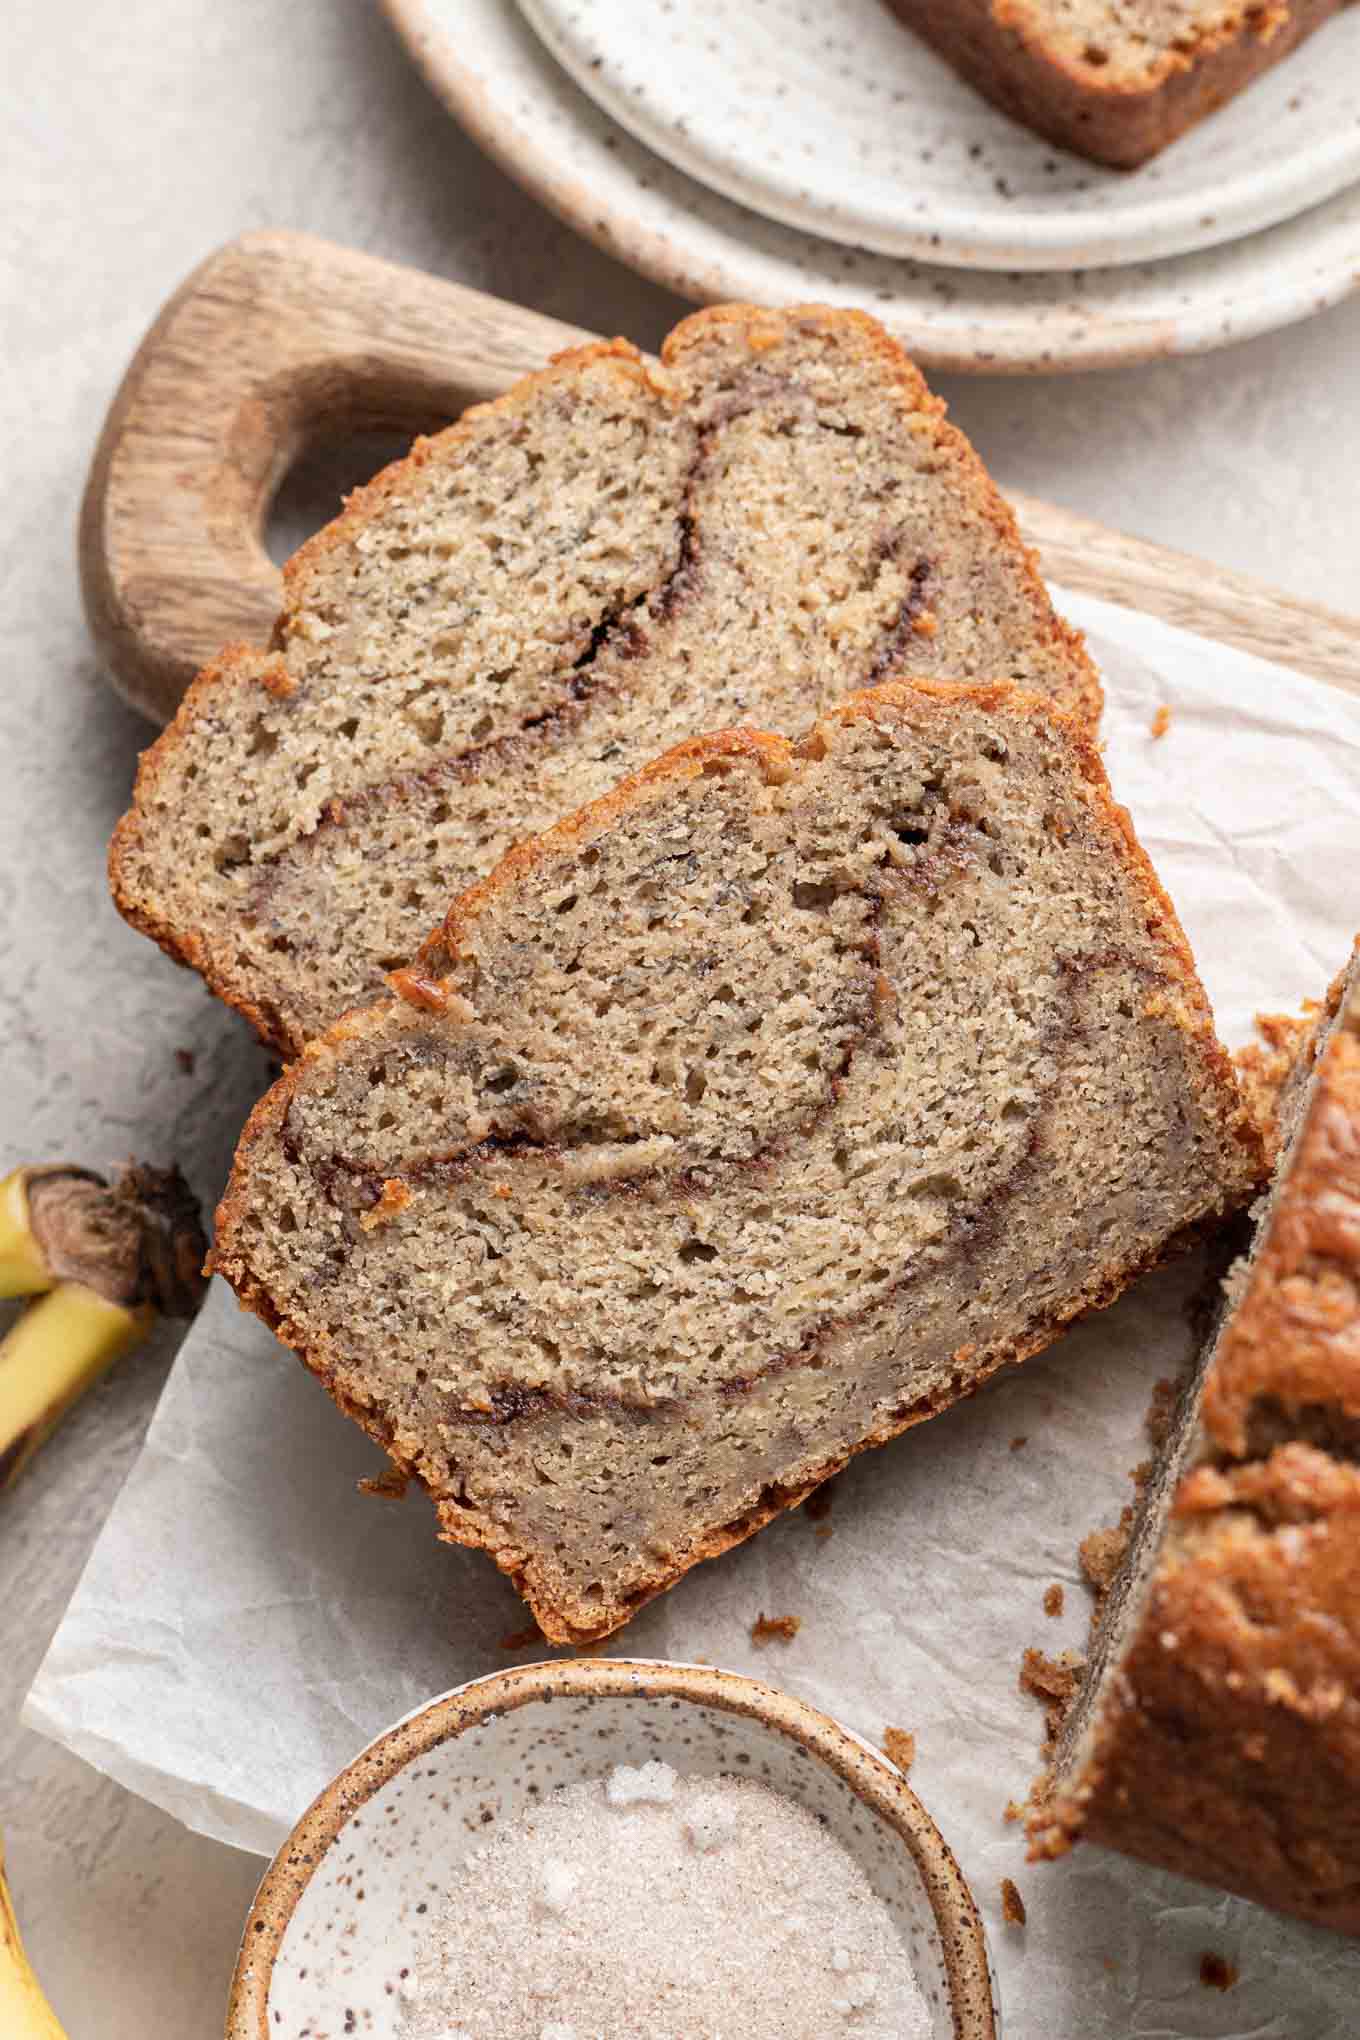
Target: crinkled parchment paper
[(249, 1619)]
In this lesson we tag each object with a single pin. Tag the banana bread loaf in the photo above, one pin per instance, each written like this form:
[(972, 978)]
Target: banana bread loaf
[(749, 1116), (1218, 1731), (500, 628), (1115, 80)]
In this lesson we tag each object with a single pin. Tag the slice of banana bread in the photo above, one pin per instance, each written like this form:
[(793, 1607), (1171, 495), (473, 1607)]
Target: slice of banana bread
[(1218, 1730), (1115, 80), (749, 1116), (607, 560)]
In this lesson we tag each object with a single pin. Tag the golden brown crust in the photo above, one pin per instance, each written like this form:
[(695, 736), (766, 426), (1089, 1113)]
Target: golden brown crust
[(776, 759), (1227, 1742), (1006, 50), (1295, 1339), (1231, 1751)]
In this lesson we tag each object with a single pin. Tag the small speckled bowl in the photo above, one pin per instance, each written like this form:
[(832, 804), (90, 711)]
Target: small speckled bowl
[(349, 1897)]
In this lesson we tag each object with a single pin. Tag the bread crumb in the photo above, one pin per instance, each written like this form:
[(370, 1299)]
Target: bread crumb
[(1014, 1810), (1055, 1682), (775, 1628), (278, 681), (389, 1486), (1215, 1973), (1161, 722), (520, 1639), (899, 1747), (1161, 1409), (1016, 1443), (395, 1197), (1012, 1905), (1050, 1678), (1100, 1552), (1263, 1066), (1053, 1599), (185, 1058), (925, 623)]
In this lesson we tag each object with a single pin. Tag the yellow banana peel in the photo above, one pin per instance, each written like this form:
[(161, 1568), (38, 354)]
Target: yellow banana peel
[(99, 1260), (23, 1265), (58, 1348)]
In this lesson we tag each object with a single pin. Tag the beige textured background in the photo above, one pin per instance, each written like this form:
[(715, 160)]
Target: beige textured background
[(137, 136)]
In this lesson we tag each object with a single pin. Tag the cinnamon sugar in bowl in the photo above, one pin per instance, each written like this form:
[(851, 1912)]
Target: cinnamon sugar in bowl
[(555, 1791)]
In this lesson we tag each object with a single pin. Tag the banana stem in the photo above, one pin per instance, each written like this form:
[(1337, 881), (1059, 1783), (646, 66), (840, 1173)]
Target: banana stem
[(58, 1347), (25, 2013)]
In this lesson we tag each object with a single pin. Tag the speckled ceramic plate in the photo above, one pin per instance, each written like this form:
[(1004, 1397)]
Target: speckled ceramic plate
[(346, 1902), (831, 116), (513, 97)]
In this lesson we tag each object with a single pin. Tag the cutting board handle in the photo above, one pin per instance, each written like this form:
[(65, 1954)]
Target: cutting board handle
[(281, 340), (278, 342)]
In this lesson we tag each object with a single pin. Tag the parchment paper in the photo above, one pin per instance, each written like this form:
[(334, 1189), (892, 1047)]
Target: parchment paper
[(248, 1619)]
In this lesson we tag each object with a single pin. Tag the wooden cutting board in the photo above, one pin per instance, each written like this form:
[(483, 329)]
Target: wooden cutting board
[(280, 341)]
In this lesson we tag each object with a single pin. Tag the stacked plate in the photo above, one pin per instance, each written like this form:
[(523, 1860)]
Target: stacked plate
[(814, 149)]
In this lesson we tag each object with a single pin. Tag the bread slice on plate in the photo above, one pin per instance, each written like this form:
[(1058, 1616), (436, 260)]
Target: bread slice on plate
[(1218, 1730), (1115, 80), (749, 1116), (609, 559)]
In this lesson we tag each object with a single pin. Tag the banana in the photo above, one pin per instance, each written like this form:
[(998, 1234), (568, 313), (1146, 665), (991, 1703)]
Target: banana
[(24, 1267), (58, 1348), (25, 2013), (99, 1261)]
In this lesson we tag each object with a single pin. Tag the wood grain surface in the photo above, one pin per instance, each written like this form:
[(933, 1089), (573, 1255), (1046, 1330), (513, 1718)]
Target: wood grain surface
[(280, 341)]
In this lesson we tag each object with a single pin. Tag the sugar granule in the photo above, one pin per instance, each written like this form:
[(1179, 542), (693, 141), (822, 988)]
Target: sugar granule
[(682, 1908), (653, 1782), (559, 1884)]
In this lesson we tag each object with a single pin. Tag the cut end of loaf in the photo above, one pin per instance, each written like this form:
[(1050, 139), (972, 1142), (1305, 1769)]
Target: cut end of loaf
[(541, 599), (1113, 80), (1217, 1733), (760, 1111)]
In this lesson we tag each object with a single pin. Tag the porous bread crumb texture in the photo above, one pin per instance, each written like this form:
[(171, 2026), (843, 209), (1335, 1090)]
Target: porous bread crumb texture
[(763, 1110), (536, 603), (1218, 1732), (680, 1908), (1115, 80)]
